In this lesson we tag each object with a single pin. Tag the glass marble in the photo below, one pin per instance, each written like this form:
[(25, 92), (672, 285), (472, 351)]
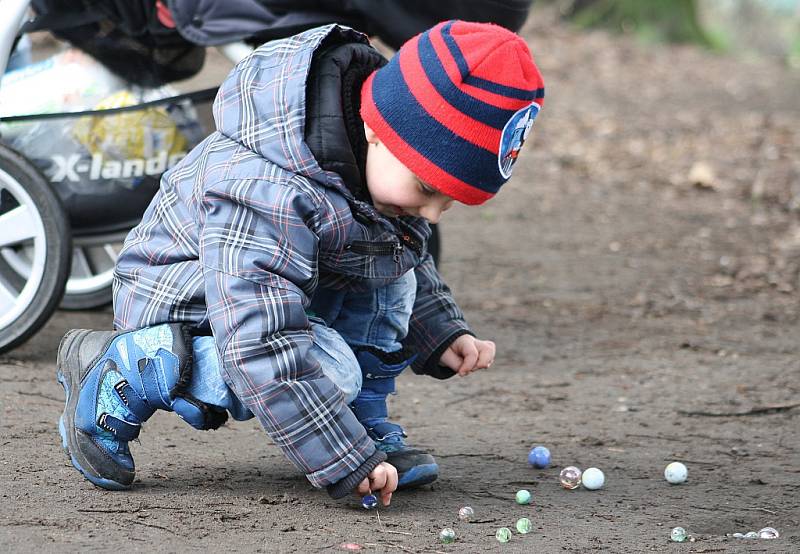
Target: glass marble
[(539, 457), (466, 513), (503, 534), (678, 534), (738, 535), (524, 525), (768, 533), (570, 477), (751, 535), (675, 473), (369, 501), (352, 546), (593, 479), (523, 497), (447, 535)]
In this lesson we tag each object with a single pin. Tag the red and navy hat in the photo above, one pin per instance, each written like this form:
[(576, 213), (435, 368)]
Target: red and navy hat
[(455, 105)]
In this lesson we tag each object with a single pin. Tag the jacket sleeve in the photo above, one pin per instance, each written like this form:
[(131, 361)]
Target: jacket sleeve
[(436, 321), (258, 249)]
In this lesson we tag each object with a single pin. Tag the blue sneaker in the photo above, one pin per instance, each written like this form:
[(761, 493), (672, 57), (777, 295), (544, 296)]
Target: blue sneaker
[(415, 467), (114, 382)]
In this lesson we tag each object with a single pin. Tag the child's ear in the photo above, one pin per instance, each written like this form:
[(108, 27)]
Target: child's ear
[(372, 138)]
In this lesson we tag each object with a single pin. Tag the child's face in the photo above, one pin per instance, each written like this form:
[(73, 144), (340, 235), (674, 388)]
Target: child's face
[(395, 190)]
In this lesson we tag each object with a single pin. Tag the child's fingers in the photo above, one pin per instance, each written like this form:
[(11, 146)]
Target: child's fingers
[(363, 488), (486, 356), (470, 354), (390, 487), (450, 359), (377, 479)]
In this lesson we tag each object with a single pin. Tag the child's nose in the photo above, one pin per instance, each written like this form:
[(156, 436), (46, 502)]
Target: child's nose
[(432, 213)]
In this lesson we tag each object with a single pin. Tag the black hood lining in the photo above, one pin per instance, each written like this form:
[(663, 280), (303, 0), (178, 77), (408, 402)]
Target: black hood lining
[(334, 130)]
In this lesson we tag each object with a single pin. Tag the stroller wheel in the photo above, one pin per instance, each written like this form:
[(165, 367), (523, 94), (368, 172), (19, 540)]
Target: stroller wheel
[(35, 243), (93, 259)]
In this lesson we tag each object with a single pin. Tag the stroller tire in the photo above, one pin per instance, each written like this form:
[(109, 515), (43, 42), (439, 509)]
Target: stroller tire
[(35, 247), (91, 279), (87, 301)]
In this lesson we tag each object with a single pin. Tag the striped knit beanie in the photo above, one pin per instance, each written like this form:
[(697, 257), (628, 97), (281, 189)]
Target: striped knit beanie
[(455, 104)]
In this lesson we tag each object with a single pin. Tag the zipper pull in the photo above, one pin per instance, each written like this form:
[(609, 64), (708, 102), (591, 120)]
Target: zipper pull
[(406, 237), (398, 251)]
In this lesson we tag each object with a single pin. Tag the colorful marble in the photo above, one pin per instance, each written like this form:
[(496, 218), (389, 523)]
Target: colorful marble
[(539, 457), (523, 497), (678, 534), (466, 513), (570, 477), (676, 473), (524, 525), (503, 534), (593, 479), (447, 536), (369, 501)]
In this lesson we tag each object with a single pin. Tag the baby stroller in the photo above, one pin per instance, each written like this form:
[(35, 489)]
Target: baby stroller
[(74, 182)]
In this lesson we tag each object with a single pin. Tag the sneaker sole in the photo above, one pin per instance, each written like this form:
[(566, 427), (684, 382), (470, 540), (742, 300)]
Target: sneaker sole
[(68, 374), (418, 476)]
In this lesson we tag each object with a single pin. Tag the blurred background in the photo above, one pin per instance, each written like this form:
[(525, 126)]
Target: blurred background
[(747, 28)]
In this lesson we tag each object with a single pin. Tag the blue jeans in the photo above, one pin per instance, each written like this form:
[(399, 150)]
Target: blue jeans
[(341, 321)]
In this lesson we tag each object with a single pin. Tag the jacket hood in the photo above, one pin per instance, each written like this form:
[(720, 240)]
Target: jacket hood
[(262, 103), (334, 127)]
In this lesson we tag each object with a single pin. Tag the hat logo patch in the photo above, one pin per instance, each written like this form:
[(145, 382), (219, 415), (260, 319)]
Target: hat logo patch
[(515, 133)]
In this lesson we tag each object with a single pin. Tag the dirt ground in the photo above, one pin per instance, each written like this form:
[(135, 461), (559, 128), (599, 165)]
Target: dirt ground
[(640, 276)]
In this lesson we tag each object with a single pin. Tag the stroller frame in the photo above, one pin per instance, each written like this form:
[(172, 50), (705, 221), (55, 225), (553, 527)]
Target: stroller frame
[(43, 262)]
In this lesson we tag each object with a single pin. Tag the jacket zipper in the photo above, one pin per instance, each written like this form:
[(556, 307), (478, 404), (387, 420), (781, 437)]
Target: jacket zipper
[(368, 248), (412, 243)]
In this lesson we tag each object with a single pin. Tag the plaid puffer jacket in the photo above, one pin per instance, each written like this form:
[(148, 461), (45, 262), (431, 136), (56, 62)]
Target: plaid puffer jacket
[(241, 234)]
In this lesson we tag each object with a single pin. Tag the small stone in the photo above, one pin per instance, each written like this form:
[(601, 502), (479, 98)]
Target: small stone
[(524, 525), (702, 175), (539, 457), (570, 477), (593, 479), (350, 546), (447, 535), (768, 533), (503, 534), (369, 501), (466, 513), (751, 535), (678, 534), (676, 473), (523, 497)]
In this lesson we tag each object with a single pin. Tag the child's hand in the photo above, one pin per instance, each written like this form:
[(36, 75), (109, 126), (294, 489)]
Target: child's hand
[(382, 480), (466, 354)]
